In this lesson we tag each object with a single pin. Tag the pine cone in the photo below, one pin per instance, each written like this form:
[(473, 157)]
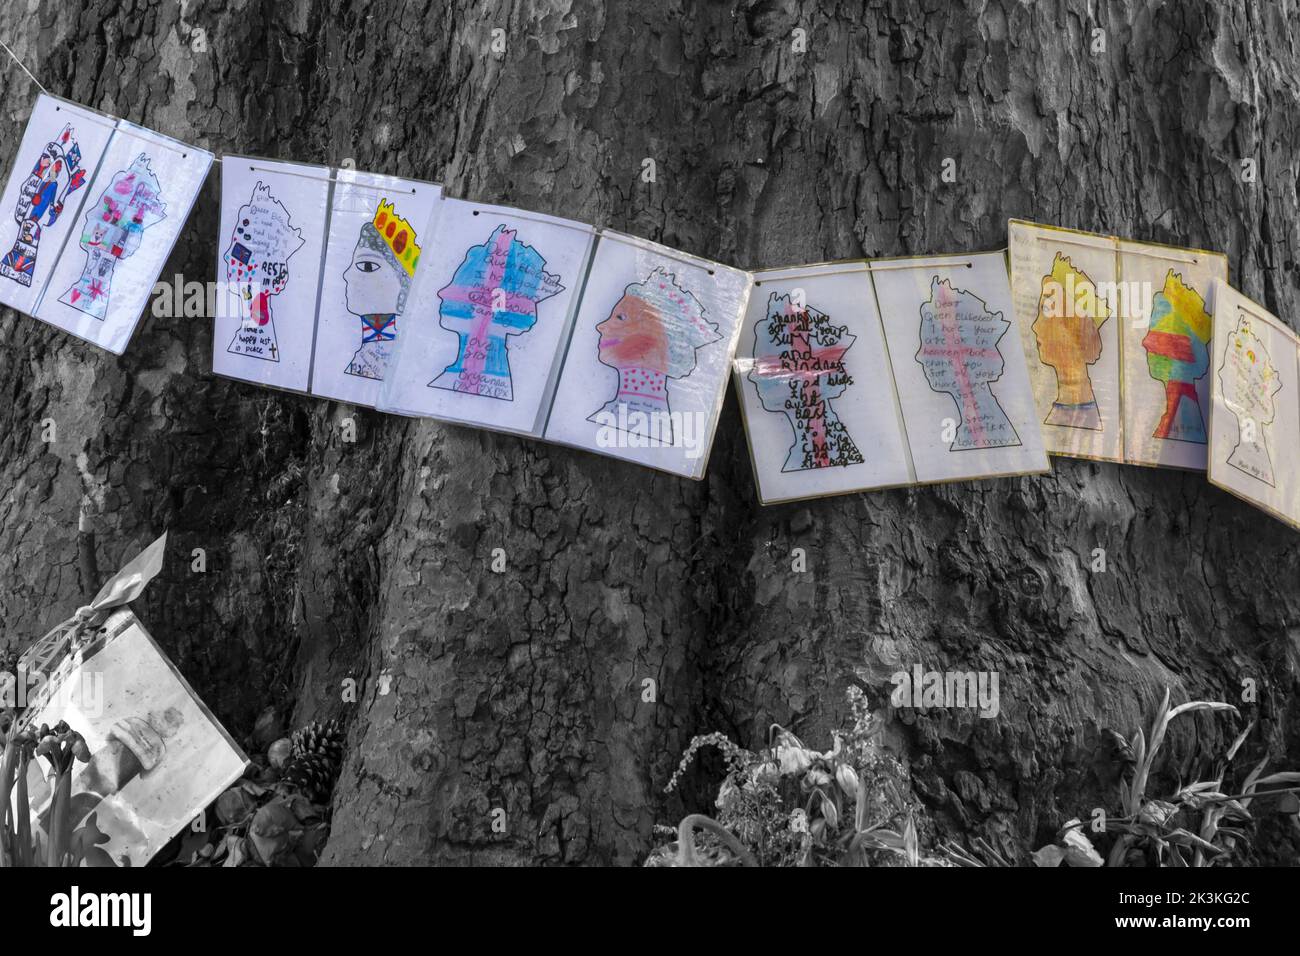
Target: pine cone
[(312, 775), (320, 738), (317, 758)]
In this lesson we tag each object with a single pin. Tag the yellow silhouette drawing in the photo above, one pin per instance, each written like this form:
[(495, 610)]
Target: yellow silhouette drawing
[(1068, 332)]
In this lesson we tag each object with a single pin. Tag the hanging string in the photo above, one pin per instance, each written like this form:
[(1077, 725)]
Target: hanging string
[(14, 57)]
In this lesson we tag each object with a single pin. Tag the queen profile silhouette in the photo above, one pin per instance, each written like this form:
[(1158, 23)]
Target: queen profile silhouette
[(376, 283), (1178, 354), (492, 297), (1250, 386), (798, 369), (113, 231), (959, 355), (257, 270), (1068, 334), (650, 336), (56, 174)]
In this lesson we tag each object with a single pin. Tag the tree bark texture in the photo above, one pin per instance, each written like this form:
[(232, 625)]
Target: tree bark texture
[(524, 690)]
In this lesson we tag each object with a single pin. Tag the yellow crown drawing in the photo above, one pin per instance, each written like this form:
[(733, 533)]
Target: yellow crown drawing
[(1086, 301), (1186, 303), (398, 235)]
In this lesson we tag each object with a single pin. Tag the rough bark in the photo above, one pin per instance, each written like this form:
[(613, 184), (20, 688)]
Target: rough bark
[(522, 690)]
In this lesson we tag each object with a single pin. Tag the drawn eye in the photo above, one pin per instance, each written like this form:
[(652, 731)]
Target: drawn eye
[(366, 265)]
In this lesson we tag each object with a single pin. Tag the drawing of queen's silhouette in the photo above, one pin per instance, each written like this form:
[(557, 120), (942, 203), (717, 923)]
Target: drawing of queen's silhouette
[(650, 336), (377, 282), (1250, 384), (113, 230), (257, 270), (493, 295), (959, 355), (1178, 354), (56, 174), (798, 369), (1068, 332)]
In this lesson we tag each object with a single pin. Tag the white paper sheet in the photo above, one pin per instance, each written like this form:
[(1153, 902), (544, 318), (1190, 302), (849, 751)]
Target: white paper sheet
[(959, 366), (1064, 286), (157, 755), (273, 221), (813, 376), (48, 183), (378, 233), (138, 205), (1167, 332), (488, 317), (648, 360), (1255, 405)]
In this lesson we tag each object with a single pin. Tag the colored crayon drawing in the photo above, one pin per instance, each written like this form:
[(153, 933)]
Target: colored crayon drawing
[(1068, 334), (650, 336), (56, 174), (113, 230), (1178, 354), (959, 355), (798, 369), (1250, 387), (377, 282), (492, 296), (257, 270)]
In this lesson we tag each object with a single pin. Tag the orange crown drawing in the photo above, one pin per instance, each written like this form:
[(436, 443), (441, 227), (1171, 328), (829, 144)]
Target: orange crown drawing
[(398, 235)]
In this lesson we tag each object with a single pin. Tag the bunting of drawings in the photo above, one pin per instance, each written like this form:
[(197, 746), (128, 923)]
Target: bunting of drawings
[(381, 291), (98, 203), (1118, 336), (870, 374)]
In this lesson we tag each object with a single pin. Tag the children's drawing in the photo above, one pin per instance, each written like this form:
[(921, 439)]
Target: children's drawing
[(257, 269), (1250, 385), (798, 369), (377, 282), (113, 230), (1068, 331), (959, 354), (493, 295), (650, 336), (1178, 354), (55, 176)]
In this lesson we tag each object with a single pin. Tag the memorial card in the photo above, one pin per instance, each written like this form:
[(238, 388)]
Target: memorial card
[(815, 386), (647, 364)]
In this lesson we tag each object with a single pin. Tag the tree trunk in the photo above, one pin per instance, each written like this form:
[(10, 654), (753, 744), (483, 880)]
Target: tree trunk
[(534, 714)]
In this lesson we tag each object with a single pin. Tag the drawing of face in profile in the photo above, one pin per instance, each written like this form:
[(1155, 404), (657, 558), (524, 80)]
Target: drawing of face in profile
[(376, 283), (1068, 332), (1178, 354), (959, 355), (493, 296), (55, 176), (257, 269), (650, 336), (113, 230), (798, 369), (1250, 386)]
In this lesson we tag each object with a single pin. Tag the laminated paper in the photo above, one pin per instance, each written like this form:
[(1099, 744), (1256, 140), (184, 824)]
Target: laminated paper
[(98, 206), (158, 756), (489, 316), (816, 391), (1255, 406), (378, 235), (647, 364), (1118, 336), (959, 367), (269, 261), (872, 374)]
